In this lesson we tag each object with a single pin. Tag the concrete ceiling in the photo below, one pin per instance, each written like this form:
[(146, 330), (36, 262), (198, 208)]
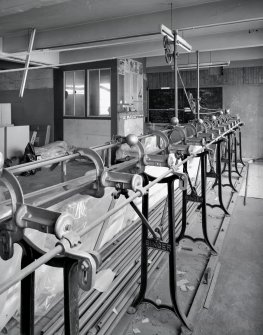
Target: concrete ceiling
[(87, 30), (48, 14)]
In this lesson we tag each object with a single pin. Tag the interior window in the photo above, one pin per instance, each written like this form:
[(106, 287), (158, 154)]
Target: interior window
[(99, 92), (74, 99), (96, 88)]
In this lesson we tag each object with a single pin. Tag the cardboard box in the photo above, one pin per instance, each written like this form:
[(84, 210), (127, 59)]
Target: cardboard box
[(16, 139), (5, 114)]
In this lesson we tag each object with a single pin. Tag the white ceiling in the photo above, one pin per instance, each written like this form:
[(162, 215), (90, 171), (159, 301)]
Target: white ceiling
[(116, 28), (47, 14)]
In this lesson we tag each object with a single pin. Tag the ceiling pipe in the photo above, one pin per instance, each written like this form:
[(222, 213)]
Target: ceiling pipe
[(198, 85), (222, 24), (123, 39), (27, 62)]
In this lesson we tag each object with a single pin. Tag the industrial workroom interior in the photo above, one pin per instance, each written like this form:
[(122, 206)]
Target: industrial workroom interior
[(131, 167)]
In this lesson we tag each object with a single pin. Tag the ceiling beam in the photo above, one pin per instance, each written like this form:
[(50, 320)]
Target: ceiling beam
[(11, 7), (220, 12), (236, 40)]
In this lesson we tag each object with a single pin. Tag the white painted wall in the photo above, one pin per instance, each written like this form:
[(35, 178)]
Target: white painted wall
[(247, 101), (85, 133)]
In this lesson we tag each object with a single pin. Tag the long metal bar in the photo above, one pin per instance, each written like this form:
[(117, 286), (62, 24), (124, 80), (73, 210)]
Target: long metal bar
[(49, 161), (30, 47), (31, 268), (198, 86), (175, 76), (38, 164), (221, 24), (185, 93)]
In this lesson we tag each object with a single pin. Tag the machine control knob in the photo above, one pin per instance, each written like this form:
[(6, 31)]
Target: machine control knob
[(227, 111), (213, 118), (63, 225), (131, 140), (136, 182), (200, 121), (174, 121), (221, 112)]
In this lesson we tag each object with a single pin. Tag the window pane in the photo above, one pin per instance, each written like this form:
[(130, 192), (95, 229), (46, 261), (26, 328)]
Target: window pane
[(69, 94), (105, 92), (94, 93), (79, 93)]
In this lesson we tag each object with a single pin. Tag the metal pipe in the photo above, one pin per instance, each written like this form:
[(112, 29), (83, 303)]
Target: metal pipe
[(30, 268), (30, 47), (121, 300), (175, 76), (198, 85), (38, 164), (221, 24), (62, 158)]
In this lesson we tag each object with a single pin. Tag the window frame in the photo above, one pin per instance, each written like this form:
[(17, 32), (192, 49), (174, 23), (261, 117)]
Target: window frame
[(86, 94)]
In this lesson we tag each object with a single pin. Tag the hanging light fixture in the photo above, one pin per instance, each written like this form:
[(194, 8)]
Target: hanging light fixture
[(204, 65)]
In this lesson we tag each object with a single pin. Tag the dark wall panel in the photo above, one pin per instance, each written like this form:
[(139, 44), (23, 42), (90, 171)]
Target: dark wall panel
[(242, 93), (36, 107)]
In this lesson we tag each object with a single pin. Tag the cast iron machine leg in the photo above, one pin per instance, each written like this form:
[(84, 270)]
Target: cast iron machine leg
[(144, 248), (218, 177), (196, 198), (235, 154), (158, 244), (239, 144), (71, 292), (27, 305), (71, 273), (228, 161)]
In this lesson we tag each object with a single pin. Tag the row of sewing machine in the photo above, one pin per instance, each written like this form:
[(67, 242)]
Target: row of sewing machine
[(175, 148)]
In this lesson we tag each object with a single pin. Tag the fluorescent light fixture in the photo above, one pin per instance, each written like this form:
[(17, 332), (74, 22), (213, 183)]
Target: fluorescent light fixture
[(165, 88), (183, 44), (167, 32), (179, 40), (203, 65)]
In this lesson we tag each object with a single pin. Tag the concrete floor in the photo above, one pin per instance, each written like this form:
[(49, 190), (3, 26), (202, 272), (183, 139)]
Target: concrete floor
[(237, 303)]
